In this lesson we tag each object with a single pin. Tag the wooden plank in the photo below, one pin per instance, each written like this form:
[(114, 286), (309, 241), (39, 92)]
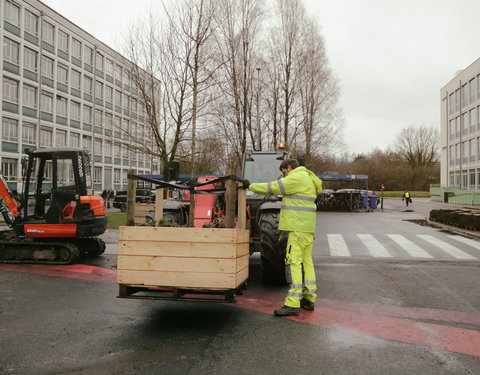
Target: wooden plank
[(179, 279), (178, 264), (242, 263), (242, 209), (158, 205), (182, 249), (240, 277), (183, 234)]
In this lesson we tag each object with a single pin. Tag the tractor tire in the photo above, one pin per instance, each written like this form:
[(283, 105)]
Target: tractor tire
[(273, 249)]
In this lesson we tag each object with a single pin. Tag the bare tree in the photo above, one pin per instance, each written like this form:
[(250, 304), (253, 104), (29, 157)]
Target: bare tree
[(238, 24)]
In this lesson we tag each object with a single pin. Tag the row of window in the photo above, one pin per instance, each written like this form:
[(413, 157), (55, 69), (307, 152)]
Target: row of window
[(10, 133), (66, 76), (467, 179), (10, 173), (465, 152), (468, 94), (63, 107), (469, 122), (65, 42)]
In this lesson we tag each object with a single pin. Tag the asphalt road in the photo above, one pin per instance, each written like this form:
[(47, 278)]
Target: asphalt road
[(395, 297)]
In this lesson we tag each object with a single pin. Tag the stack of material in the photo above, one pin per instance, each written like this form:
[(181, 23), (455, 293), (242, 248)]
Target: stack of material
[(468, 219)]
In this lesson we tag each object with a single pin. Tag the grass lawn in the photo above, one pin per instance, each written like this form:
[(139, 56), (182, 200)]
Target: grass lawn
[(115, 219), (399, 194)]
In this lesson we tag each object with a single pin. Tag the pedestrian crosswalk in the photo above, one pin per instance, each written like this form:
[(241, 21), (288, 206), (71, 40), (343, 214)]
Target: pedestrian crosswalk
[(388, 246)]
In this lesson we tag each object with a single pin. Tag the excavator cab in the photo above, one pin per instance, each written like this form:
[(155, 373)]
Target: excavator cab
[(57, 195)]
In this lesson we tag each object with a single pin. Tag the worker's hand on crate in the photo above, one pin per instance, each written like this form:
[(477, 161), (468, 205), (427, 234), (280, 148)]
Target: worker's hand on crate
[(245, 184)]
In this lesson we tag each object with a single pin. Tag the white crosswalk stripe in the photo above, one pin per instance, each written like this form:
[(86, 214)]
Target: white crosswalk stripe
[(445, 246), (419, 246), (337, 245), (407, 245), (374, 246), (467, 241)]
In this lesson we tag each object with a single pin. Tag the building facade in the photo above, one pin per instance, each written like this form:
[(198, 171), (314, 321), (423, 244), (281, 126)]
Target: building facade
[(460, 130), (61, 87)]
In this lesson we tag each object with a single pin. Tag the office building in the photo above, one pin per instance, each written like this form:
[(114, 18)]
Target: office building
[(61, 87), (460, 129)]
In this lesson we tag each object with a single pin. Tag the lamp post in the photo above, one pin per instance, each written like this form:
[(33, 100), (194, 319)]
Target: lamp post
[(259, 132)]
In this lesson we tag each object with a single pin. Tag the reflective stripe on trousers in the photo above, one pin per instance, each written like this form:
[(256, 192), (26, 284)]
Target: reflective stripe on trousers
[(299, 252)]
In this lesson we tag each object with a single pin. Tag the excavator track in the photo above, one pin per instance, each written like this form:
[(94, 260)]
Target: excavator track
[(90, 246), (16, 250)]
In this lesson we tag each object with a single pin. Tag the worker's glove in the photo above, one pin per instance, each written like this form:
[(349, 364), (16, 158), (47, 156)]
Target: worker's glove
[(245, 183)]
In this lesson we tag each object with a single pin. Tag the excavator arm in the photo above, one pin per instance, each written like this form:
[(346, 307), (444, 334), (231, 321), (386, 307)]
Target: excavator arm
[(8, 202)]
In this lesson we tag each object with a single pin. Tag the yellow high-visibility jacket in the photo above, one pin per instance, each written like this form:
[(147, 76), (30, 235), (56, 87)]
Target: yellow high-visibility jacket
[(299, 189)]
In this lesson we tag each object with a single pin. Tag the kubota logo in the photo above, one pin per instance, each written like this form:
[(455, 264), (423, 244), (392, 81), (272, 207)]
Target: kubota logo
[(35, 231)]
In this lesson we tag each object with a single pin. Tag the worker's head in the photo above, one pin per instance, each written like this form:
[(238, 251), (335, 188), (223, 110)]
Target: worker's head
[(288, 165)]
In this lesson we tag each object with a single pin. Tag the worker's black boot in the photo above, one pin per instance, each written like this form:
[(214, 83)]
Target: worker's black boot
[(307, 305), (287, 311)]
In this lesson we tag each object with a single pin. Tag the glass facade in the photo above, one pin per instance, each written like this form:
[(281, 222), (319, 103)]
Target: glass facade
[(63, 88)]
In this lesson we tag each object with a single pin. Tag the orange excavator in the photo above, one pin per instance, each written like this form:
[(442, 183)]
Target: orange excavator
[(55, 219)]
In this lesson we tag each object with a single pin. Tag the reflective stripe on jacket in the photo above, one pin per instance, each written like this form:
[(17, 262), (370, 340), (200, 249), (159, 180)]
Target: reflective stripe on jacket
[(299, 189)]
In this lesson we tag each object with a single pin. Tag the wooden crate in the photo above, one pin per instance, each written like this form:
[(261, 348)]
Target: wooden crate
[(141, 211), (189, 258)]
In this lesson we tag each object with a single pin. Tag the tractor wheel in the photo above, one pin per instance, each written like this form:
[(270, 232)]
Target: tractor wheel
[(273, 248)]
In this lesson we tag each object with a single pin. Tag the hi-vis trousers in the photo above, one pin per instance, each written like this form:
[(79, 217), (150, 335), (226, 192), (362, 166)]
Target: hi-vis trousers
[(299, 252)]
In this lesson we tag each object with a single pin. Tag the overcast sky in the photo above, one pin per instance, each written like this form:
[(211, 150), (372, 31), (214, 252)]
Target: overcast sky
[(391, 57)]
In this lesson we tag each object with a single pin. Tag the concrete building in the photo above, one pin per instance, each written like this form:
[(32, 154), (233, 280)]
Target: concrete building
[(62, 87), (460, 130)]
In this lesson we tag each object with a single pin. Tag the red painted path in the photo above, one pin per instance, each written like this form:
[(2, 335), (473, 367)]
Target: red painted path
[(402, 324)]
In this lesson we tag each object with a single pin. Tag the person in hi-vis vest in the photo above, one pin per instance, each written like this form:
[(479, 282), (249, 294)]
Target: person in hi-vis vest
[(299, 188)]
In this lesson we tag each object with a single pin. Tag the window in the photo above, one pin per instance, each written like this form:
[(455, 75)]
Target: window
[(98, 117), (48, 33), (87, 143), (118, 73), (88, 55), (116, 176), (465, 124), (61, 106), (118, 98), (452, 155), (75, 110), (99, 62), (62, 74), (12, 13), (451, 104), (29, 96), (88, 85), (46, 102), (65, 175), (124, 151), (76, 48), (108, 148), (98, 146), (473, 149), (9, 169), (117, 150), (62, 41), (87, 114), (108, 121), (30, 59), (11, 51), (74, 140), (471, 91), (47, 67), (108, 94), (76, 77), (99, 90), (46, 137), (97, 175), (31, 22), (464, 95), (457, 100), (473, 120), (109, 67), (60, 138), (29, 133), (9, 129), (10, 90)]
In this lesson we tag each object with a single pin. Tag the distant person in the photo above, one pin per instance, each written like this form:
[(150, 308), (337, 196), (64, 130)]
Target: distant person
[(299, 188), (406, 197)]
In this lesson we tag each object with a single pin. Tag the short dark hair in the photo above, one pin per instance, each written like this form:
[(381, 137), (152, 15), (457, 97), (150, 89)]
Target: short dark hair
[(289, 162)]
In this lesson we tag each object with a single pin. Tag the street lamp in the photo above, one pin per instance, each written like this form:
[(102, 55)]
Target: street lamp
[(259, 132)]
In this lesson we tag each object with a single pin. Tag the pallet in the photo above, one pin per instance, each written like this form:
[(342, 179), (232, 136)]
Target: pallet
[(182, 259)]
